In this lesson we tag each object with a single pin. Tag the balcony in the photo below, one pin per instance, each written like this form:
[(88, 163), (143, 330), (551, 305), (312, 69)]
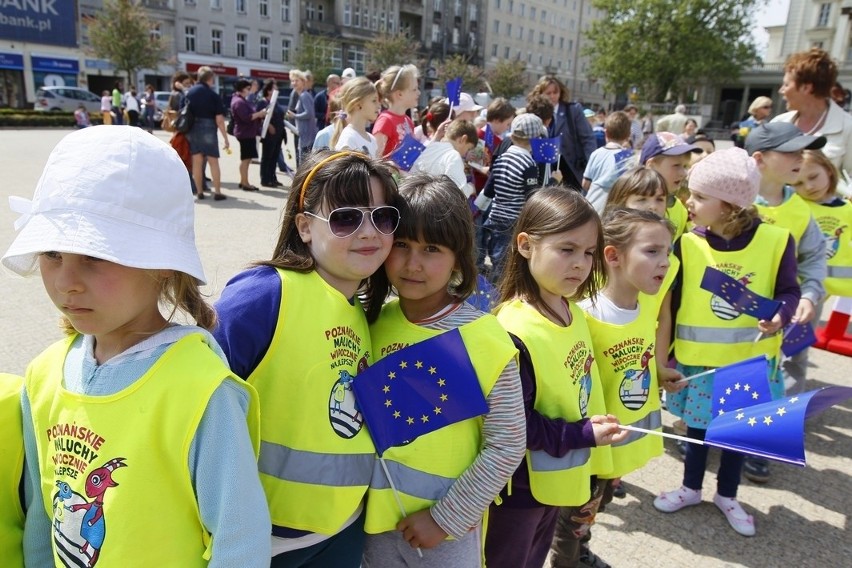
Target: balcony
[(317, 27), (411, 7), (162, 5)]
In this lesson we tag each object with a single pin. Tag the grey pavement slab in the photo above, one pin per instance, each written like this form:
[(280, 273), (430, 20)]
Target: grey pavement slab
[(802, 514)]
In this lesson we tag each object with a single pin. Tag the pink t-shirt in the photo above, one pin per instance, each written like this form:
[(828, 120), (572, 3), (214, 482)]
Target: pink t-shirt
[(395, 127)]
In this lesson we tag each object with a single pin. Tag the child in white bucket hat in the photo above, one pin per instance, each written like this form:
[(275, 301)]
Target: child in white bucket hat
[(130, 406)]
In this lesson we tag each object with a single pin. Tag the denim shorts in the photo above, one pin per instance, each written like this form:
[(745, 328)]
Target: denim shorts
[(203, 137)]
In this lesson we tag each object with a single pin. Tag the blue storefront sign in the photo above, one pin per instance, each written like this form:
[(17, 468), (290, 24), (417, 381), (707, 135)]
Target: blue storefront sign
[(54, 71), (11, 61), (52, 22), (101, 64)]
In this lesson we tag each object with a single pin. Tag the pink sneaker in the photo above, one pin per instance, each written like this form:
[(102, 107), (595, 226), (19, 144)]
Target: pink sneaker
[(739, 520), (672, 501)]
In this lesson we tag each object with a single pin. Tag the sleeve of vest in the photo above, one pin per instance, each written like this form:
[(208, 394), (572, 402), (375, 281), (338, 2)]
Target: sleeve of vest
[(503, 444), (37, 547), (230, 498)]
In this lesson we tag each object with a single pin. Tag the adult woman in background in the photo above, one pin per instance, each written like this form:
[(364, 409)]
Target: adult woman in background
[(758, 113), (270, 145), (577, 139), (247, 123), (304, 115), (209, 112)]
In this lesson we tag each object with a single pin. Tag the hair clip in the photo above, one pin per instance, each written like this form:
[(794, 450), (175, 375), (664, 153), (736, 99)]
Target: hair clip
[(429, 116)]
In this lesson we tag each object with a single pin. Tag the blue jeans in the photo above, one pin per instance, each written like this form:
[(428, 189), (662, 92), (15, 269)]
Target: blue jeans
[(343, 550), (499, 232), (730, 466), (483, 239)]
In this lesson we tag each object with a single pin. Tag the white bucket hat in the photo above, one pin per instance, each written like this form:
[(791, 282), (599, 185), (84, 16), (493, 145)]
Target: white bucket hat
[(111, 192)]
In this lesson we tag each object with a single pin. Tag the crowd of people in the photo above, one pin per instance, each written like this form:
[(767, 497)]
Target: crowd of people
[(564, 289)]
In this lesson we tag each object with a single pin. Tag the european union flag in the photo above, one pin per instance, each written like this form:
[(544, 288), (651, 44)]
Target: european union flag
[(738, 295), (485, 295), (774, 430), (545, 150), (454, 87), (740, 385), (489, 138), (797, 338), (407, 152), (419, 389)]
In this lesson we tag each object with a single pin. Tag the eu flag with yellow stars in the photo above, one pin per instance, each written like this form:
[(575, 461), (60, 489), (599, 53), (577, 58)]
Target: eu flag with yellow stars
[(407, 152), (545, 150), (419, 389), (797, 338), (738, 295), (489, 138), (776, 429), (740, 385), (454, 89)]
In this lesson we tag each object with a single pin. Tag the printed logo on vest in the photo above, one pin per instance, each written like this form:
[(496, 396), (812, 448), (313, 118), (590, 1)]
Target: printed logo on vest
[(586, 386), (579, 364), (636, 383), (343, 412), (79, 525), (720, 308), (831, 230)]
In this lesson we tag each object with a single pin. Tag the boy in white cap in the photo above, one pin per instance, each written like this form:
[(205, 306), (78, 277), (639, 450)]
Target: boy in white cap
[(777, 148), (133, 405)]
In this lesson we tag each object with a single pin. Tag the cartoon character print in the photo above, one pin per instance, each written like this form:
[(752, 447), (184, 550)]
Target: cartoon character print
[(343, 412), (79, 525), (832, 242), (722, 309), (586, 386), (636, 383)]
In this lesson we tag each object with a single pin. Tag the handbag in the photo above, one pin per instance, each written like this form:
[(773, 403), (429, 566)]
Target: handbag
[(184, 120), (168, 122)]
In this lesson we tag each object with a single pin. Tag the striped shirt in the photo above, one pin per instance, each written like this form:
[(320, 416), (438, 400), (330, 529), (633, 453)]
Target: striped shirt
[(504, 441), (513, 175)]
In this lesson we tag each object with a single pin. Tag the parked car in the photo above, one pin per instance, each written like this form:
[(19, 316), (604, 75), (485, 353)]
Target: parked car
[(66, 99), (162, 100)]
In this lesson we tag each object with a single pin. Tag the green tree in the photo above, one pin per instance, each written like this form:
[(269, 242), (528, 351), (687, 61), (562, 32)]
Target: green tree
[(386, 50), (664, 47), (122, 34), (314, 54), (458, 66), (508, 78)]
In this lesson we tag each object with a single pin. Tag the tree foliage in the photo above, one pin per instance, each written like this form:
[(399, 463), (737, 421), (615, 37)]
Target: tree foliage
[(122, 34), (664, 47), (458, 66), (386, 50), (508, 78), (314, 54)]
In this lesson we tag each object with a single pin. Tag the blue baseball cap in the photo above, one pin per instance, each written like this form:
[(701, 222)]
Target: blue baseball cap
[(665, 144)]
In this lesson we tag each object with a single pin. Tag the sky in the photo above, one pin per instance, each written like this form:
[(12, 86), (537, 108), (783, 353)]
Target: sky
[(774, 13)]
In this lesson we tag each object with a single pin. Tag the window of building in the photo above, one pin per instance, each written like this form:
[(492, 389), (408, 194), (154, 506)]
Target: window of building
[(520, 32), (356, 17), (189, 2), (310, 11), (263, 8), (824, 13), (511, 6), (543, 16), (508, 29), (285, 10), (552, 40), (189, 38), (523, 9), (285, 49), (347, 14), (264, 48), (242, 39), (320, 12), (336, 56), (530, 35), (497, 27), (457, 8), (541, 38), (494, 50), (154, 32), (391, 23), (562, 43), (240, 5), (472, 12), (216, 42), (356, 58), (438, 5), (365, 17), (506, 52), (215, 4), (455, 36)]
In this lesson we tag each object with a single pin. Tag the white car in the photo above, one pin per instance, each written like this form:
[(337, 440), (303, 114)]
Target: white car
[(66, 99)]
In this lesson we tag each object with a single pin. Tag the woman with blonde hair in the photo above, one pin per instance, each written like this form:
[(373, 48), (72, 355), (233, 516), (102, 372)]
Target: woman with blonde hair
[(303, 113)]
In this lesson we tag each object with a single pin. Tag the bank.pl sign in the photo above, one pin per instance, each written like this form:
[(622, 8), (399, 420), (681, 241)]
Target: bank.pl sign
[(51, 22)]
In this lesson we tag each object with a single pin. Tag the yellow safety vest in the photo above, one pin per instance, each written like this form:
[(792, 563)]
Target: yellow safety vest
[(792, 215), (424, 470), (11, 469), (708, 331), (316, 458), (835, 223), (624, 354), (114, 469), (568, 387), (678, 215), (657, 299)]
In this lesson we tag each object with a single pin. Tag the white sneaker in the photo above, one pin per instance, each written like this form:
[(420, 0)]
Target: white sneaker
[(672, 501), (739, 520)]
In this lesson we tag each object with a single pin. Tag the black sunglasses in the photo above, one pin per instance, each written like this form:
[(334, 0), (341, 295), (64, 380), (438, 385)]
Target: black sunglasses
[(345, 221)]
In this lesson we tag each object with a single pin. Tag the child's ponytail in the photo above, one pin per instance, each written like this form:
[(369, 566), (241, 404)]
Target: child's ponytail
[(181, 291)]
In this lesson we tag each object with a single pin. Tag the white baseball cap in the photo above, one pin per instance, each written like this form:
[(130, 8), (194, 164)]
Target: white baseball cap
[(111, 192), (466, 103), (348, 73)]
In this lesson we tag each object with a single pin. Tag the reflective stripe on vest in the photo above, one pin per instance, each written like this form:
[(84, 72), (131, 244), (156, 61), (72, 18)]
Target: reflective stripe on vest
[(335, 470), (650, 422), (542, 461), (840, 271), (716, 334), (410, 481)]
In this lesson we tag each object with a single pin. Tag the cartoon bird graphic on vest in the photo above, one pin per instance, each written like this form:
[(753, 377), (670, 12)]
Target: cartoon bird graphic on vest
[(93, 529), (637, 382), (832, 243), (586, 385), (62, 495)]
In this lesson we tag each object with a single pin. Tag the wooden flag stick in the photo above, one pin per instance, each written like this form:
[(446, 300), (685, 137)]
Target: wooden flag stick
[(695, 376), (663, 434), (396, 495)]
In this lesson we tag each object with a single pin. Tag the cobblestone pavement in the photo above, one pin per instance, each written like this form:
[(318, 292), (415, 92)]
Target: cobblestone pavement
[(802, 515)]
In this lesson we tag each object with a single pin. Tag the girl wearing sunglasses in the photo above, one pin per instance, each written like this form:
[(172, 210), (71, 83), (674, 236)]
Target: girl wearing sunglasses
[(295, 326), (461, 467)]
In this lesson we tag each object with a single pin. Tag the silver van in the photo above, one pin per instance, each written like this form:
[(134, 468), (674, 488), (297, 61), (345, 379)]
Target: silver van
[(66, 99)]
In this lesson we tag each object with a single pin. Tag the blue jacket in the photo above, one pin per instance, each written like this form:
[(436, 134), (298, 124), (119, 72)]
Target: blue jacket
[(578, 140)]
